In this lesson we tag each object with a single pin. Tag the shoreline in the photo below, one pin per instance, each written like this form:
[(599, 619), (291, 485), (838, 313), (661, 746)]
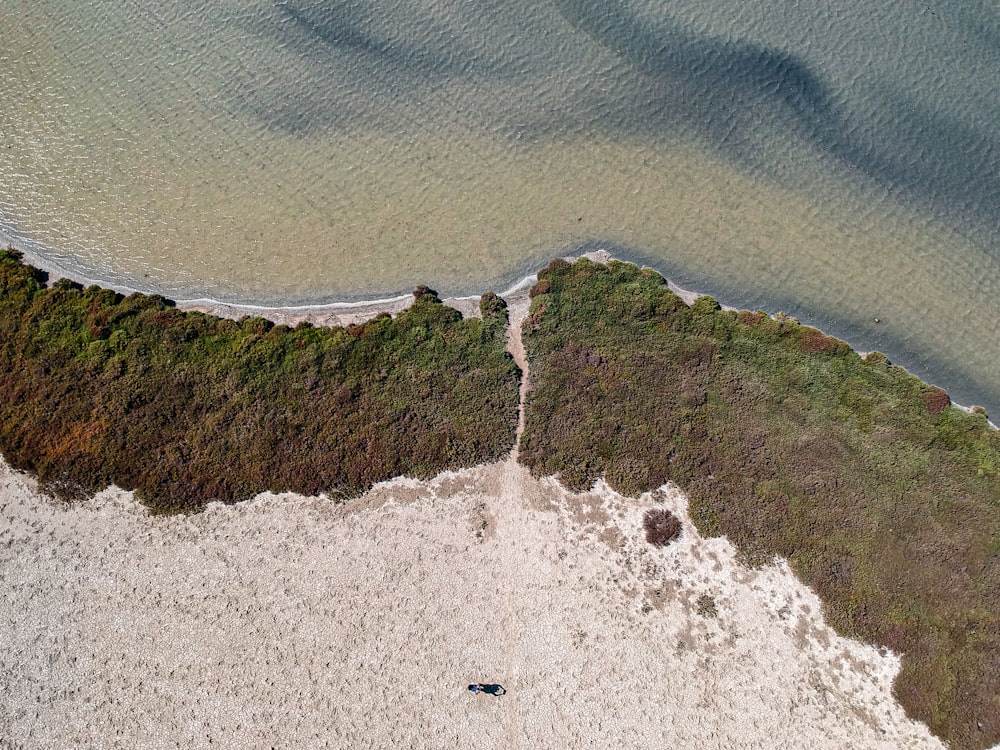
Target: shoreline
[(343, 313), (39, 259), (514, 542), (353, 311), (320, 313), (315, 601)]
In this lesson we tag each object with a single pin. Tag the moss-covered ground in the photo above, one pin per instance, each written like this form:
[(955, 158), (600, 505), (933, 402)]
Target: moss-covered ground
[(883, 496), (186, 408)]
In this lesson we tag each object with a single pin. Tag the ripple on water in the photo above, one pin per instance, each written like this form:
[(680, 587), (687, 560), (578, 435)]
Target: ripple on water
[(813, 159)]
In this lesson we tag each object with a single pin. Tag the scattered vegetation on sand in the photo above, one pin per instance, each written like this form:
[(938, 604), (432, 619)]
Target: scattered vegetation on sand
[(186, 408), (884, 498)]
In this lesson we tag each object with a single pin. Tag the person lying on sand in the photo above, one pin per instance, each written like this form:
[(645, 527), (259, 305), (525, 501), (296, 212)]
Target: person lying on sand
[(490, 688)]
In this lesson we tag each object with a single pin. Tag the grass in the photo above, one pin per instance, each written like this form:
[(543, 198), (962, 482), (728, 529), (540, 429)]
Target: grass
[(186, 408), (884, 498)]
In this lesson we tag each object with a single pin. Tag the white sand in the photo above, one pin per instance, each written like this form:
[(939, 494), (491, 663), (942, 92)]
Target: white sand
[(294, 622)]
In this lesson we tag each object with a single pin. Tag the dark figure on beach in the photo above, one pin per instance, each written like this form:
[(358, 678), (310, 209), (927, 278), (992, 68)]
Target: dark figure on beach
[(489, 688)]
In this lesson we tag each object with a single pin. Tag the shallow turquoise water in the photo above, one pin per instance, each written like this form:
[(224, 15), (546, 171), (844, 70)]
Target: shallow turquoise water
[(839, 162)]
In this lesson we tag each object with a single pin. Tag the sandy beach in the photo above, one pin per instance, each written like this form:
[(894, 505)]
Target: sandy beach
[(295, 622), (289, 621)]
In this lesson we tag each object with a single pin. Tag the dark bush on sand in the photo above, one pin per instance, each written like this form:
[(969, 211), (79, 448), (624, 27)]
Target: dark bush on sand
[(662, 527)]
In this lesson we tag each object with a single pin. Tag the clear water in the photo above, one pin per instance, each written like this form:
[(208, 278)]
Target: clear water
[(840, 161)]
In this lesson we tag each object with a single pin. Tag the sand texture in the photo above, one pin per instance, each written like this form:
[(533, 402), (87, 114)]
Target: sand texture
[(295, 622)]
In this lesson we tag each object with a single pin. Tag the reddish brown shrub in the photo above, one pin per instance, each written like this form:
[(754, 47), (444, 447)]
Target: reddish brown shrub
[(662, 527), (815, 341), (542, 287), (936, 400), (752, 319)]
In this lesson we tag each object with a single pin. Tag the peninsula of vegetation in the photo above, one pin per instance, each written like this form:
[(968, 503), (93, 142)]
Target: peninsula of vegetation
[(883, 496), (186, 408)]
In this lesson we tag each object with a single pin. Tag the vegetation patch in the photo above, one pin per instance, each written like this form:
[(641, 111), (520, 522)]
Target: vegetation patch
[(186, 408), (706, 606), (662, 527), (884, 498)]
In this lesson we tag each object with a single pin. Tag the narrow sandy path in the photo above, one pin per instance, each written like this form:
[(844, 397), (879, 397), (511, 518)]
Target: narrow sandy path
[(511, 522), (517, 312)]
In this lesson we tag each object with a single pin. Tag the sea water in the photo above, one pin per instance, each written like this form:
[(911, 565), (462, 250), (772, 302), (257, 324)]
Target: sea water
[(838, 161)]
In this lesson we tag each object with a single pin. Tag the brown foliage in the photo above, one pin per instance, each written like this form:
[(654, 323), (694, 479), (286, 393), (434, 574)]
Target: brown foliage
[(936, 400), (662, 527), (816, 341), (747, 318), (541, 287)]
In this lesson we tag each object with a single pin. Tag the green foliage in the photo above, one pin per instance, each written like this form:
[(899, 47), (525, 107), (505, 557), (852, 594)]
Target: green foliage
[(885, 499), (186, 408)]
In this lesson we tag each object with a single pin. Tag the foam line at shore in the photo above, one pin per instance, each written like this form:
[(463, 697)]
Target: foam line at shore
[(374, 306), (525, 283), (58, 271)]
